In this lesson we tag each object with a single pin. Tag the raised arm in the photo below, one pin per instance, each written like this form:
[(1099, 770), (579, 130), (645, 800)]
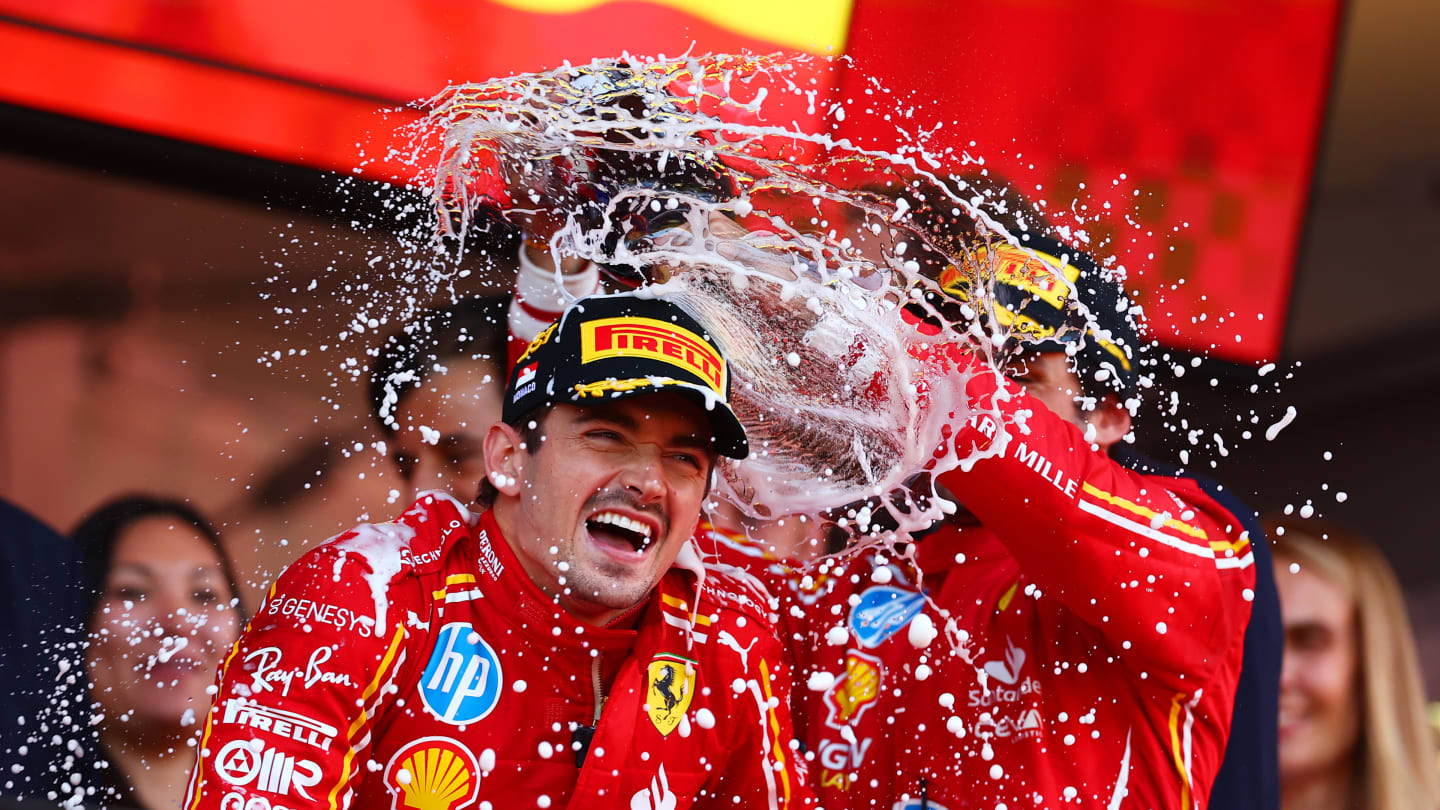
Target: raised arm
[(1161, 570)]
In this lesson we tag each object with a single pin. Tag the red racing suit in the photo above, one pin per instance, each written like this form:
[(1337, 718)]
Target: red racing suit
[(1090, 632), (415, 665), (1091, 627)]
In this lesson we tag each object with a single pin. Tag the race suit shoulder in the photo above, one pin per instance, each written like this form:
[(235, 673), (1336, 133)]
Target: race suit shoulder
[(1080, 644), (414, 664)]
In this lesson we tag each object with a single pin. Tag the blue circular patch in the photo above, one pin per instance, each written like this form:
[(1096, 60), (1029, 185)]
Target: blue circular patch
[(883, 611), (462, 680)]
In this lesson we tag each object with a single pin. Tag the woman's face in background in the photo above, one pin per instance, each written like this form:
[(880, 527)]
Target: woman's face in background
[(163, 622), (1320, 681)]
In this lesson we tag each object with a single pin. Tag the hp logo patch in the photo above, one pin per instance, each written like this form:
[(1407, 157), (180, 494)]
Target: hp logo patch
[(461, 682), (882, 612)]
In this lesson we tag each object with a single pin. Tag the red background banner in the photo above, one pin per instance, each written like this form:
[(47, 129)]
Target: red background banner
[(1196, 122)]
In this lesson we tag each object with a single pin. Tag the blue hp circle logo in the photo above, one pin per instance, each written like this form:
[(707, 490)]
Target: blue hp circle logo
[(461, 683), (882, 612)]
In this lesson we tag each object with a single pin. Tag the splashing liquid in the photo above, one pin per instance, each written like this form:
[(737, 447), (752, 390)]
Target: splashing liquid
[(815, 264)]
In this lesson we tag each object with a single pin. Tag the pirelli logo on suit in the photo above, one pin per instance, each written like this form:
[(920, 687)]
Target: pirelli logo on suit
[(655, 340)]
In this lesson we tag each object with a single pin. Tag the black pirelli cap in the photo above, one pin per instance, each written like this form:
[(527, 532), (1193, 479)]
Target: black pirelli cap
[(1035, 292), (609, 347)]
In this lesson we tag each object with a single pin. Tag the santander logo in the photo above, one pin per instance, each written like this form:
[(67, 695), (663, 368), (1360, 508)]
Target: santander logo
[(1010, 685), (1008, 670)]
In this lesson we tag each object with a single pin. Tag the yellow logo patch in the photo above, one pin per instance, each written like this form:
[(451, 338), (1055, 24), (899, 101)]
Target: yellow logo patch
[(655, 340), (1039, 277), (433, 773), (853, 692), (671, 681)]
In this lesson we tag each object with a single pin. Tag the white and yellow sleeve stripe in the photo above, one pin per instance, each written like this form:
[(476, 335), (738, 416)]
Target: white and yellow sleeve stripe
[(1164, 528)]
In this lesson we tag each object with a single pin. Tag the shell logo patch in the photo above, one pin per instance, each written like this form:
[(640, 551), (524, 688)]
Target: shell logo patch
[(433, 773), (855, 691), (671, 686)]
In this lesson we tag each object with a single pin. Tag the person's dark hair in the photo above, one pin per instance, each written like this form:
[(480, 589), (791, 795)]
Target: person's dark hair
[(96, 536), (472, 329)]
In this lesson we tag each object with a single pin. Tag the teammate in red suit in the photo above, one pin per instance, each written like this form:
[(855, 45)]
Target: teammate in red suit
[(565, 648), (1072, 638)]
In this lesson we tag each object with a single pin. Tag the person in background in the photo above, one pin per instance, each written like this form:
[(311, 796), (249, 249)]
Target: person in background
[(1353, 734), (1094, 617), (42, 699), (162, 610), (1248, 775), (435, 389)]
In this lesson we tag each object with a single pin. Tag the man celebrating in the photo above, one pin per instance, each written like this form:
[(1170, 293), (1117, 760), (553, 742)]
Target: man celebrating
[(565, 648), (1092, 618)]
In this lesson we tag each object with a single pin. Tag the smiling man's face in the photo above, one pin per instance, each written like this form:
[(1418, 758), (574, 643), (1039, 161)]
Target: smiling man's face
[(601, 509)]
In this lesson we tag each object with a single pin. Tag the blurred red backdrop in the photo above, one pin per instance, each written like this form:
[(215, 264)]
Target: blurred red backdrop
[(1195, 122)]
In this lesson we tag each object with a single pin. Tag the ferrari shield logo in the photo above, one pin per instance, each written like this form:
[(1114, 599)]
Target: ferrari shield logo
[(671, 686)]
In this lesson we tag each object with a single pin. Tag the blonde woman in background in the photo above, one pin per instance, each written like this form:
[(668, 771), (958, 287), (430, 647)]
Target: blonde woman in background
[(1353, 731)]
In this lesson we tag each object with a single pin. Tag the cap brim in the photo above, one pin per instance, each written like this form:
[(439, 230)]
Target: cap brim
[(726, 430)]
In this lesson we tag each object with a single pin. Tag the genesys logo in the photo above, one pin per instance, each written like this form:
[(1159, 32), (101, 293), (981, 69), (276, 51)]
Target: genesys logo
[(308, 611), (462, 680), (250, 764), (433, 773), (882, 612), (281, 723)]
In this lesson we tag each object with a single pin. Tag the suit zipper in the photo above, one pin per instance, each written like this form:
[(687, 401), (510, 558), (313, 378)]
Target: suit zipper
[(583, 735), (599, 690)]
